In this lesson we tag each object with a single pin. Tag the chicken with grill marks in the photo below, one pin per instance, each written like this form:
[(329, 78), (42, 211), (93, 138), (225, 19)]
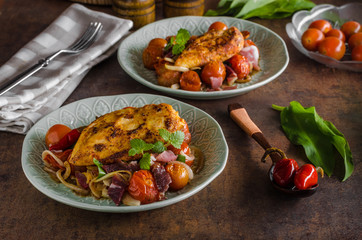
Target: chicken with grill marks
[(107, 139)]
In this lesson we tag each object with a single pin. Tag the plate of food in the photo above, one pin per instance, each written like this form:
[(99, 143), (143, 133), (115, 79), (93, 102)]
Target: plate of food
[(263, 56), (335, 17), (99, 153)]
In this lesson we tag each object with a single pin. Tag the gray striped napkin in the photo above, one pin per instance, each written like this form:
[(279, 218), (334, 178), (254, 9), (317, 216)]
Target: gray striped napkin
[(47, 89)]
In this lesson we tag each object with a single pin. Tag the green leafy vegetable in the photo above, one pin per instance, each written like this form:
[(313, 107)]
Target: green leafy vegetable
[(267, 9), (181, 158), (175, 138), (303, 126), (101, 171), (178, 43), (138, 146), (145, 162)]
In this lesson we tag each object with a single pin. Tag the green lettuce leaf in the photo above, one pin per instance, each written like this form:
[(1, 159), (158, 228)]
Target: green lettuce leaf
[(319, 138)]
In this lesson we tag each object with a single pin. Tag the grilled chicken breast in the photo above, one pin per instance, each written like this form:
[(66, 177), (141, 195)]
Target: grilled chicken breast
[(212, 46), (107, 139)]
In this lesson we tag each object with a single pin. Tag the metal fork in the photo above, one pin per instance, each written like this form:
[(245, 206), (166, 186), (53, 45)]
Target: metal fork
[(83, 43)]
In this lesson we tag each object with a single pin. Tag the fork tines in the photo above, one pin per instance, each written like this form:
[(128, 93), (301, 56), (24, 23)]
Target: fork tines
[(88, 36)]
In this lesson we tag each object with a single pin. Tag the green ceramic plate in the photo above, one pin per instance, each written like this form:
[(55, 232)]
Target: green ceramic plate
[(206, 134), (273, 53)]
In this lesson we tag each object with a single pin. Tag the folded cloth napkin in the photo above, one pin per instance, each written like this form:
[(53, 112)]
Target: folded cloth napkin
[(47, 89)]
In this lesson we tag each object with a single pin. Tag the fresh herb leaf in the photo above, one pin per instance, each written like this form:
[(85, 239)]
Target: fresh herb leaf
[(159, 147), (139, 146), (145, 162), (181, 158), (175, 138), (303, 126), (99, 165), (170, 44), (178, 43), (267, 9), (166, 135)]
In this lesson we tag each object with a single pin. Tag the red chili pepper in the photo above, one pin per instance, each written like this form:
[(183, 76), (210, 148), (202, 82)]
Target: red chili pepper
[(284, 171), (67, 141), (306, 177)]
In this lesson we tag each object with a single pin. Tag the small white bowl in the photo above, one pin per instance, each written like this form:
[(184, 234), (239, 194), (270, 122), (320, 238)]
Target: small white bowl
[(337, 16)]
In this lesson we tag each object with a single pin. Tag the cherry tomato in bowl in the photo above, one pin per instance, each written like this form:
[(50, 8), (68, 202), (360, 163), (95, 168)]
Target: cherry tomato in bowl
[(55, 133), (332, 47), (355, 40), (357, 53), (311, 38), (321, 24), (336, 33), (349, 28)]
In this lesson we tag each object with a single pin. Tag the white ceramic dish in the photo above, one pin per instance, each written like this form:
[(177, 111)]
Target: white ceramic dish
[(206, 134), (337, 16), (273, 53)]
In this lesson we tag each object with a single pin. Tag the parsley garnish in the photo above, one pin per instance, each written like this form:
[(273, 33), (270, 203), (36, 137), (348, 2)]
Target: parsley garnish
[(178, 43)]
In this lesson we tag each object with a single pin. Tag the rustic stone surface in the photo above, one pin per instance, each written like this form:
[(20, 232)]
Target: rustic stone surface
[(240, 203)]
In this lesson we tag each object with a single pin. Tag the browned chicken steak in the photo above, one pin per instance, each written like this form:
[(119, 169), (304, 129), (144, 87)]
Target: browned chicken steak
[(212, 46), (107, 139)]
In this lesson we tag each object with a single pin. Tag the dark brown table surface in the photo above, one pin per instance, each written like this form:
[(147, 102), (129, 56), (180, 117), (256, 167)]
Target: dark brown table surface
[(240, 203)]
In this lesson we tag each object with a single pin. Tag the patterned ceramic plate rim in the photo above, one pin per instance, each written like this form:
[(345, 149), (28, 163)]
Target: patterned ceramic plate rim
[(202, 127), (273, 61)]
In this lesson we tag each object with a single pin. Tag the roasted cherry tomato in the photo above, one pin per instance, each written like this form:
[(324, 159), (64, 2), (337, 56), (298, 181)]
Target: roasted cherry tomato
[(322, 25), (213, 74), (67, 141), (355, 40), (218, 26), (154, 52), (336, 33), (240, 65), (350, 28), (151, 55), (306, 177), (284, 171), (179, 175), (142, 187), (357, 53), (190, 81), (158, 42), (311, 39), (55, 133), (332, 47), (184, 147)]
